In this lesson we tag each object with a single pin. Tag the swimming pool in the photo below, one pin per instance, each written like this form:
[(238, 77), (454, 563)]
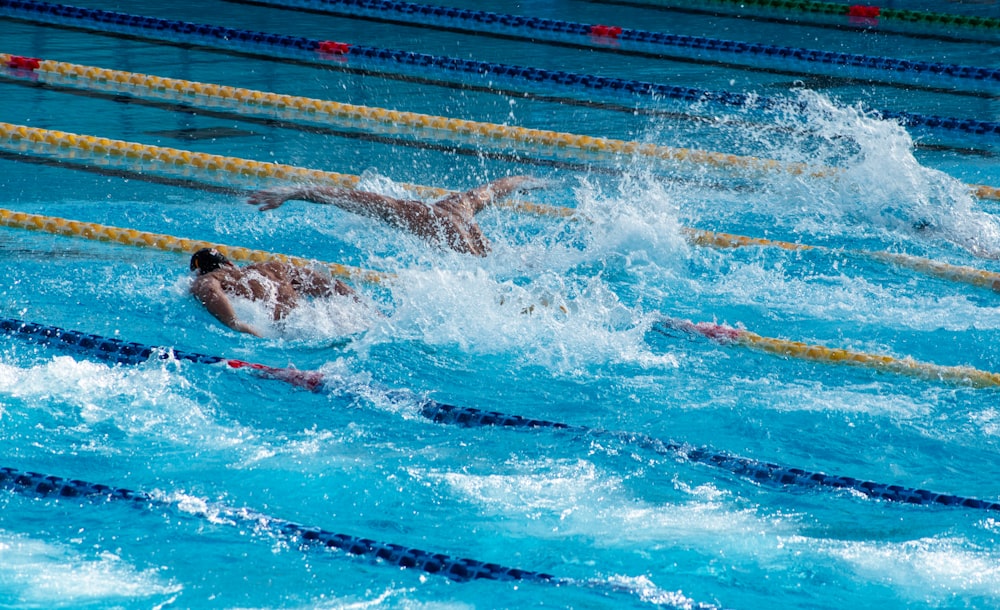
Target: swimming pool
[(574, 320)]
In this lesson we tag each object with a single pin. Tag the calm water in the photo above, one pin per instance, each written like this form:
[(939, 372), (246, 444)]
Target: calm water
[(632, 527)]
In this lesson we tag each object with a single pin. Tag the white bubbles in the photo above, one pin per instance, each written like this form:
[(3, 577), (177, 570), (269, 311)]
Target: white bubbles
[(323, 319), (927, 569), (554, 321), (861, 176), (376, 182), (37, 573), (558, 500), (116, 410), (638, 219)]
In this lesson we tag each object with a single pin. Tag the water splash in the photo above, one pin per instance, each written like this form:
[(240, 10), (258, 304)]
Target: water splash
[(877, 184), (927, 569), (36, 573)]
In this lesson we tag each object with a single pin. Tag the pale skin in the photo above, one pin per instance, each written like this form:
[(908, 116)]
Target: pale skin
[(281, 284), (448, 222)]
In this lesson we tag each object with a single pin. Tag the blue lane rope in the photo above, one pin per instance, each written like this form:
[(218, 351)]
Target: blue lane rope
[(750, 468), (129, 353), (325, 54), (457, 569), (598, 36), (124, 352)]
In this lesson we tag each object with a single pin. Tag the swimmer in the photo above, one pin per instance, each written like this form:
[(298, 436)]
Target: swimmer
[(280, 285), (448, 222), (986, 230)]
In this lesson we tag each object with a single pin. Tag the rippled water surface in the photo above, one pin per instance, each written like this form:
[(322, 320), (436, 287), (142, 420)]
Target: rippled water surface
[(563, 322)]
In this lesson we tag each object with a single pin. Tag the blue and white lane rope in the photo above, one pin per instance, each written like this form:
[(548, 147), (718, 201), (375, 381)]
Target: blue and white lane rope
[(330, 54), (129, 353), (118, 351), (623, 39), (457, 569), (122, 352), (309, 537), (756, 470)]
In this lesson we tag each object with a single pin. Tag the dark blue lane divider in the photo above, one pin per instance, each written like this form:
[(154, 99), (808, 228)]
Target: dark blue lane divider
[(123, 352), (755, 470), (329, 54), (457, 569), (600, 35)]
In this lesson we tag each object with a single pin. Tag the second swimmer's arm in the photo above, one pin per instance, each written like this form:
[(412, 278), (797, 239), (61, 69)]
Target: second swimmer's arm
[(364, 203)]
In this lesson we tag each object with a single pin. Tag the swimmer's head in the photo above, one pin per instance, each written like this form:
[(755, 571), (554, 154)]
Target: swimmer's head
[(207, 260)]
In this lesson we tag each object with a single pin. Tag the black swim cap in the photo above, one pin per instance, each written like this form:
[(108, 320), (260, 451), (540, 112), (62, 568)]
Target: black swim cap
[(207, 260)]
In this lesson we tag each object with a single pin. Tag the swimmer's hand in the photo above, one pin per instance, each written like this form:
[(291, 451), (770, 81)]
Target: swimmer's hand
[(533, 183), (268, 199), (243, 327)]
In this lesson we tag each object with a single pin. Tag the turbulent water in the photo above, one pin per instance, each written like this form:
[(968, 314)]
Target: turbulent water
[(563, 322)]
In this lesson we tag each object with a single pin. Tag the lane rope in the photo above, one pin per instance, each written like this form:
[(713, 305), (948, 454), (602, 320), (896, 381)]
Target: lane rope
[(870, 14), (980, 278), (274, 105), (279, 106), (728, 335), (121, 352), (453, 568), (755, 470), (601, 36), (271, 104), (331, 54), (144, 239), (183, 163)]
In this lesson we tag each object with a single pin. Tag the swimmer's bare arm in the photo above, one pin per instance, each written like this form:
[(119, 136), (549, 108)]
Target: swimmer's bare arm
[(209, 291), (389, 209), (364, 203), (488, 194)]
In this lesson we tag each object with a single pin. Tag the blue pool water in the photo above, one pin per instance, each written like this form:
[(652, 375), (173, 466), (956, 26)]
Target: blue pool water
[(559, 323)]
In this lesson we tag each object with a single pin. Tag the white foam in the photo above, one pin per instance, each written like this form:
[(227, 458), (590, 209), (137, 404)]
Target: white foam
[(805, 395), (551, 321), (877, 184), (556, 499), (37, 573), (148, 403), (926, 570)]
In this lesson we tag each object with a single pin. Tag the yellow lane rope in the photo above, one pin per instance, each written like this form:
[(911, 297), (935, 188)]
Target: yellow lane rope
[(276, 105), (171, 160), (964, 375), (903, 366), (143, 239), (947, 271), (724, 334), (221, 170), (954, 273)]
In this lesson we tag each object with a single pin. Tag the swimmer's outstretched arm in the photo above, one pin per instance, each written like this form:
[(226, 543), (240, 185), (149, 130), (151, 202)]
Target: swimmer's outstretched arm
[(388, 209), (209, 292), (364, 203), (491, 192)]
